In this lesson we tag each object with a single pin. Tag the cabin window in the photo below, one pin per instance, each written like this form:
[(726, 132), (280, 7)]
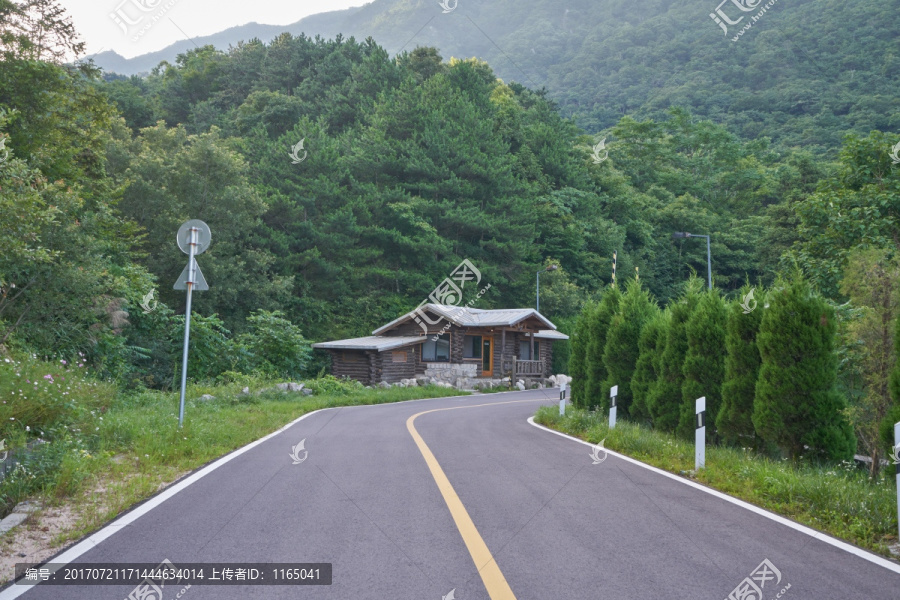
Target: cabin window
[(525, 350), (436, 350), (353, 357), (398, 356), (472, 346)]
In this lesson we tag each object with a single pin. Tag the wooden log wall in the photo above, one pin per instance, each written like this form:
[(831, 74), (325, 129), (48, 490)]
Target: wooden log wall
[(392, 371), (355, 364)]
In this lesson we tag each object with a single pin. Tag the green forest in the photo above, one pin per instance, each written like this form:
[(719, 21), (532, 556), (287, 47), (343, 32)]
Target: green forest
[(411, 164), (804, 75)]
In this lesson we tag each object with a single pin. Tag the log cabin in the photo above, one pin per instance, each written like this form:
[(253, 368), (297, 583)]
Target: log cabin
[(455, 344)]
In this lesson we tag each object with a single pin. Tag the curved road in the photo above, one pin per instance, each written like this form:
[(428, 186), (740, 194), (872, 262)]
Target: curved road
[(414, 500)]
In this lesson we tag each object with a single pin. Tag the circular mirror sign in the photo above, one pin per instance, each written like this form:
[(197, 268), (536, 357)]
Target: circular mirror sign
[(203, 236)]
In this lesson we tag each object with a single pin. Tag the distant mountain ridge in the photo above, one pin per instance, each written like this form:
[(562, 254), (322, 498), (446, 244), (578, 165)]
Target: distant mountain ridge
[(803, 73), (113, 62)]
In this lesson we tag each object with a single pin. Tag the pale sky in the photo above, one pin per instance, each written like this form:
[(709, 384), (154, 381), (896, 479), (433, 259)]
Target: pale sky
[(137, 33)]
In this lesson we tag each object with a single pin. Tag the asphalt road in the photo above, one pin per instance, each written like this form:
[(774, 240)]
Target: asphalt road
[(531, 508)]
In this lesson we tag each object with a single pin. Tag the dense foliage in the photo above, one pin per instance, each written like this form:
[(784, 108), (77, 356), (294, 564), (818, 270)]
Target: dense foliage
[(804, 75), (770, 379)]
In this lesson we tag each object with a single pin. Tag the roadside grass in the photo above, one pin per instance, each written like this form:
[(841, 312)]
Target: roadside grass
[(496, 388), (98, 452), (837, 499)]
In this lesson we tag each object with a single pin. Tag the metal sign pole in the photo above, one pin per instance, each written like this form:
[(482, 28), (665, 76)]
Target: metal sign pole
[(193, 238), (700, 435), (613, 392), (187, 320)]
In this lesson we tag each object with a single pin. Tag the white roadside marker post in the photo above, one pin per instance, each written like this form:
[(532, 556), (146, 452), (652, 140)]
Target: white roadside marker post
[(193, 239), (700, 435), (897, 468), (613, 392), (562, 399)]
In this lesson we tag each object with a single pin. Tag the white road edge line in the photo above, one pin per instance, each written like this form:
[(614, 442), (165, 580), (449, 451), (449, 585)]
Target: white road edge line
[(16, 590), (873, 558)]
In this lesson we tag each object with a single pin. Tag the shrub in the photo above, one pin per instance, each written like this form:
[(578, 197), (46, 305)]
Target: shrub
[(742, 361), (646, 372), (332, 386), (211, 350), (797, 406), (704, 362), (598, 327), (620, 355), (665, 398), (276, 347), (579, 341)]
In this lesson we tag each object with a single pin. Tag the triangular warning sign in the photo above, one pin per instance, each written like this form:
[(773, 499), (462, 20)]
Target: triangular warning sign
[(200, 284)]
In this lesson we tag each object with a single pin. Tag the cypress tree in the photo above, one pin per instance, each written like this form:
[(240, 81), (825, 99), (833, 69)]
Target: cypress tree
[(664, 402), (620, 355), (646, 372), (734, 421), (598, 326), (704, 362), (797, 404), (579, 340)]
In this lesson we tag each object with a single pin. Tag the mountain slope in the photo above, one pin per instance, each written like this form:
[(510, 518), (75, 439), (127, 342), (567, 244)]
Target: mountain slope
[(803, 74)]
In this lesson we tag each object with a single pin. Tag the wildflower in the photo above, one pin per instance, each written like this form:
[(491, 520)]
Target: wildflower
[(63, 362), (49, 376), (12, 418), (27, 428)]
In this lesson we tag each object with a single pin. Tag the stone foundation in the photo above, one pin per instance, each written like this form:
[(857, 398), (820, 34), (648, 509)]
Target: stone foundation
[(461, 376)]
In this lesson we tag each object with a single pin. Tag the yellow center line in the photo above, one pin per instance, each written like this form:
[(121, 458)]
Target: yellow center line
[(494, 581)]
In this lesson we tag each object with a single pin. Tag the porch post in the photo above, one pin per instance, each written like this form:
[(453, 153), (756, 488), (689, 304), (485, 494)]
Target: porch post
[(531, 336), (502, 352)]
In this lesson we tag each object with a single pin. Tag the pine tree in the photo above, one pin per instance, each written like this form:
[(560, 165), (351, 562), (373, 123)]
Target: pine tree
[(579, 341), (734, 422), (704, 362), (620, 355), (797, 406), (664, 401), (598, 327), (646, 372)]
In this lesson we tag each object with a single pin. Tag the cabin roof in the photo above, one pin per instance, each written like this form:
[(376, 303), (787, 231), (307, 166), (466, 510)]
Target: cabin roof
[(372, 342), (465, 316), (459, 315), (550, 334)]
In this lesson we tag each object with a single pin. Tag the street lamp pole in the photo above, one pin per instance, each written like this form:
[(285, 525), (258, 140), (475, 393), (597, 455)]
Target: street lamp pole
[(537, 298), (684, 234)]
